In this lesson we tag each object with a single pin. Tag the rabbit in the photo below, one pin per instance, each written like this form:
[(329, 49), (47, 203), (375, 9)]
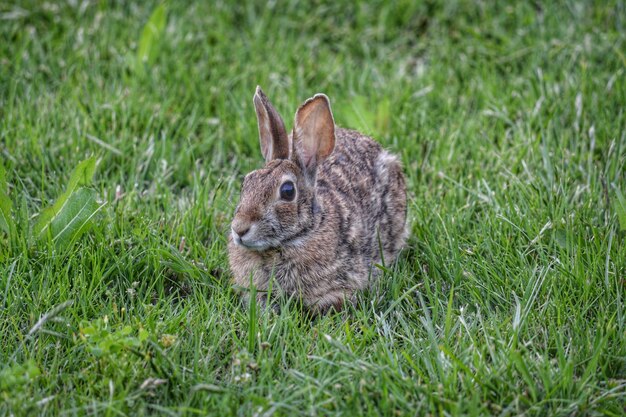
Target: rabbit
[(318, 215)]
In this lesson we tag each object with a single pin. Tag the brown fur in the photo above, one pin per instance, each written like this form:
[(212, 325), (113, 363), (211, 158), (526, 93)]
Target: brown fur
[(350, 195)]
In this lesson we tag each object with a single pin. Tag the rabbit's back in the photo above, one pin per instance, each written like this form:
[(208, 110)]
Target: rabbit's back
[(365, 184)]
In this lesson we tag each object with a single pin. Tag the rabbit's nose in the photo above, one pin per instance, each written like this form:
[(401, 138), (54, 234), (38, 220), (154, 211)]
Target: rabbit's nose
[(240, 228)]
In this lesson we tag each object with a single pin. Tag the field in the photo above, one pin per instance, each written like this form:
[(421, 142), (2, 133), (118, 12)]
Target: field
[(125, 131)]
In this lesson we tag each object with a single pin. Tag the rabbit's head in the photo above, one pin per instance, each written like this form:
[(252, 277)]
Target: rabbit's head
[(277, 203)]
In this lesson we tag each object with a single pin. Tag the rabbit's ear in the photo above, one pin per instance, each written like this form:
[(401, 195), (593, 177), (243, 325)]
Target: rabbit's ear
[(314, 133), (272, 133)]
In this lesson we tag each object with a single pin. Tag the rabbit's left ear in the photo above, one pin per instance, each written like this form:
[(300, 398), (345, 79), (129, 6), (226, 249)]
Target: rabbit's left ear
[(272, 134), (314, 133)]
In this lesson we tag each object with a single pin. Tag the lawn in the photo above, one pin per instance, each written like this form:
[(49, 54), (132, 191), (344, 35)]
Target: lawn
[(510, 120)]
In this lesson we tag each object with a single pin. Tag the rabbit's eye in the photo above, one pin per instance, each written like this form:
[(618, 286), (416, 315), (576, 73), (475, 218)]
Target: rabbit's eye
[(287, 191)]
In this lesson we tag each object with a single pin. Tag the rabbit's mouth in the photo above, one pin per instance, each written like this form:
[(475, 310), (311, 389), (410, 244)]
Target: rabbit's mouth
[(258, 245)]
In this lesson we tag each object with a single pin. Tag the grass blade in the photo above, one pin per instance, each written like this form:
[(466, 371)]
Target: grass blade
[(620, 209), (149, 40), (6, 221)]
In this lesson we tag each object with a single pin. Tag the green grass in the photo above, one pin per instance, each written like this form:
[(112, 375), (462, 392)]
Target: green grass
[(508, 300)]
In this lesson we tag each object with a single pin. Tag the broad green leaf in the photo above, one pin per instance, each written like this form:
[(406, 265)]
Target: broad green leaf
[(18, 374), (75, 217), (6, 221), (81, 176), (560, 236), (88, 331), (620, 209), (71, 214), (150, 36), (143, 335)]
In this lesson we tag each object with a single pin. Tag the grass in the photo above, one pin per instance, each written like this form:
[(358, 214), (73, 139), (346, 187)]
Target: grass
[(510, 121)]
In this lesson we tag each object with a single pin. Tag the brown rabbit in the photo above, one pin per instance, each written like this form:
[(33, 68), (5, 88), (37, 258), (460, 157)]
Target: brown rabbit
[(317, 215)]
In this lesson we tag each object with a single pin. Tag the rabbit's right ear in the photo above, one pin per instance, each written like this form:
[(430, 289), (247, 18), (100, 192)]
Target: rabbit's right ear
[(314, 134), (272, 133)]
